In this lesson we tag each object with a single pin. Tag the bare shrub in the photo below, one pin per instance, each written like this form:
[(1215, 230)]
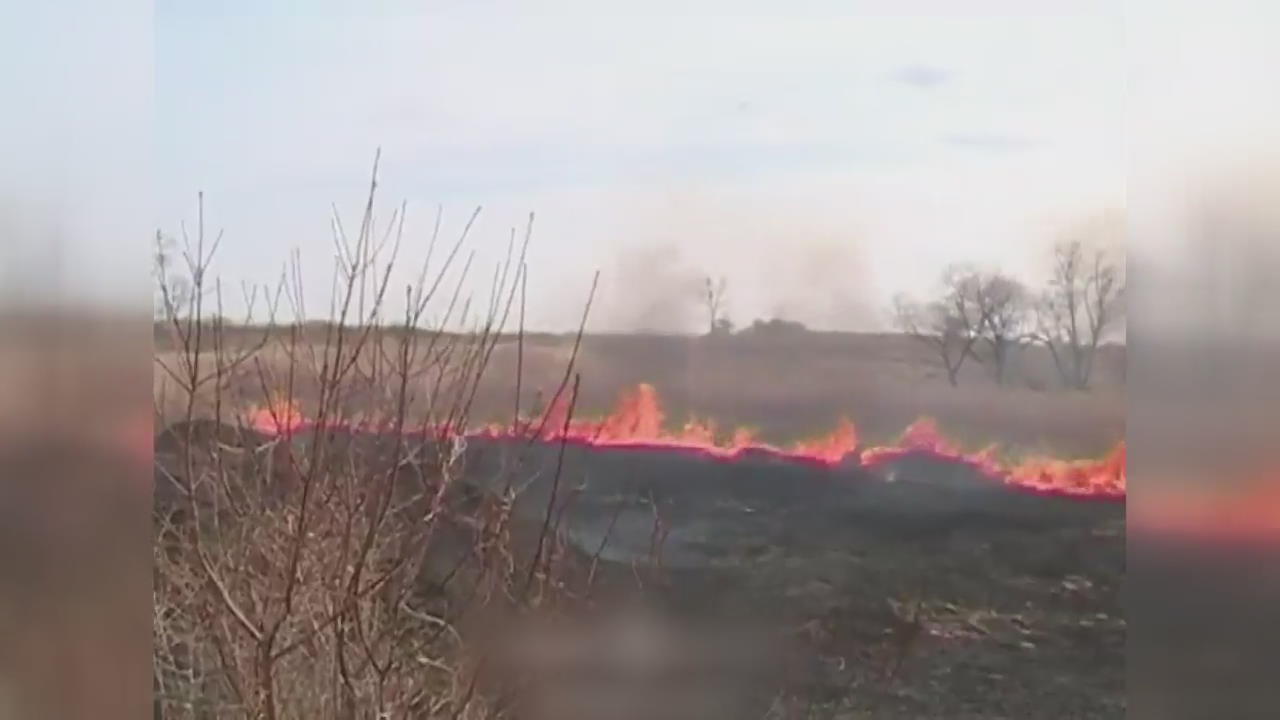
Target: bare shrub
[(291, 568)]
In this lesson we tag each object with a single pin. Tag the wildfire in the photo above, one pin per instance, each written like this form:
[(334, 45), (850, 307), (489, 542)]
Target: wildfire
[(638, 421), (279, 415)]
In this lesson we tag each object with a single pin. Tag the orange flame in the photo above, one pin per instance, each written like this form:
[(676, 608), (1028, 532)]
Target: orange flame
[(637, 416), (834, 446), (637, 421), (281, 414)]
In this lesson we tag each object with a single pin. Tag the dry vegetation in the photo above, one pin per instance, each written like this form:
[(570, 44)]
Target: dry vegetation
[(798, 385), (323, 577)]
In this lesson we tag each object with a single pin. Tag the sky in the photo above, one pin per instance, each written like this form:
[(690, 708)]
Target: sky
[(819, 156), (1203, 111), (76, 201)]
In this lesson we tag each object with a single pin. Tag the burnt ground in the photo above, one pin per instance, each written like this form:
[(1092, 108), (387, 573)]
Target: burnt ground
[(1018, 594), (1015, 597)]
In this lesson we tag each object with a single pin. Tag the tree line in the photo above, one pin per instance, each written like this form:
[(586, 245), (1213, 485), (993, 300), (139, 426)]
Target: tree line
[(982, 316), (986, 316)]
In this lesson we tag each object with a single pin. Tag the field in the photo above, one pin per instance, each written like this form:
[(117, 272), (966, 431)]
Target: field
[(792, 386), (920, 590)]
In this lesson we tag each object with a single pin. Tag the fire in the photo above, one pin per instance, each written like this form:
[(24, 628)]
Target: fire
[(638, 421), (1080, 477), (279, 415), (833, 447), (638, 416), (1102, 478)]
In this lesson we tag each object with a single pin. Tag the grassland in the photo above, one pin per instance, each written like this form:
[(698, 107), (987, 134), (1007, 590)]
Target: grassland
[(789, 386)]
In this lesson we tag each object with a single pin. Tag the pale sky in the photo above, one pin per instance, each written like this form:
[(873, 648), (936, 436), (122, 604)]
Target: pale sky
[(1204, 116), (820, 156), (76, 203)]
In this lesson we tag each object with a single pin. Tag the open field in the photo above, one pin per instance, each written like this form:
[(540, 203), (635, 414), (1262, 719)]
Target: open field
[(786, 387), (917, 589)]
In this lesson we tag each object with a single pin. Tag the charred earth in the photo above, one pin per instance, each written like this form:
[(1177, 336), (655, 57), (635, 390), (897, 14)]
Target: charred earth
[(922, 589)]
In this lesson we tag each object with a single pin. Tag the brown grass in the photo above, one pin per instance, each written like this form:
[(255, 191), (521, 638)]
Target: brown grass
[(288, 578), (797, 386)]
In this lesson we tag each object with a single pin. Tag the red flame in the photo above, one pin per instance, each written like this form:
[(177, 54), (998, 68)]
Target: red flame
[(281, 414), (638, 416), (637, 421)]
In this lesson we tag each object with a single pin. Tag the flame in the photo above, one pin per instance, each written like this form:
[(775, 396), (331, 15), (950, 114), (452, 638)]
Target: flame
[(1080, 477), (834, 446), (638, 416), (279, 416), (638, 421)]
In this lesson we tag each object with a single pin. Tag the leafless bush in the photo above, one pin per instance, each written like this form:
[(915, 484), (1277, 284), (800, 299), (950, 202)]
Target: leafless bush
[(289, 567)]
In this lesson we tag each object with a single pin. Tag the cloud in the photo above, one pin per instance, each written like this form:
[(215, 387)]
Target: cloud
[(925, 77), (992, 142)]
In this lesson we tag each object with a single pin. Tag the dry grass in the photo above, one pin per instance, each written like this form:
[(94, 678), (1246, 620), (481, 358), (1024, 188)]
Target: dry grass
[(289, 576), (794, 387)]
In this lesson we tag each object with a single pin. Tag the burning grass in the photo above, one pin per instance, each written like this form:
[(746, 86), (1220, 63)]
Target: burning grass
[(331, 578), (639, 422)]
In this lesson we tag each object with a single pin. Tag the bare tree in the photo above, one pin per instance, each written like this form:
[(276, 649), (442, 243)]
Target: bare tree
[(951, 325), (1083, 302), (715, 291), (1004, 306)]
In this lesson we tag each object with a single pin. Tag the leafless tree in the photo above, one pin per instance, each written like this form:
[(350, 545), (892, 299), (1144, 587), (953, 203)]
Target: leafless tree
[(1082, 303), (715, 292), (951, 325), (1005, 308)]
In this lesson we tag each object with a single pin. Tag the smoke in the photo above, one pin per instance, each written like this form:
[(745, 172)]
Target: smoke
[(782, 255), (655, 289), (823, 285), (661, 289)]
